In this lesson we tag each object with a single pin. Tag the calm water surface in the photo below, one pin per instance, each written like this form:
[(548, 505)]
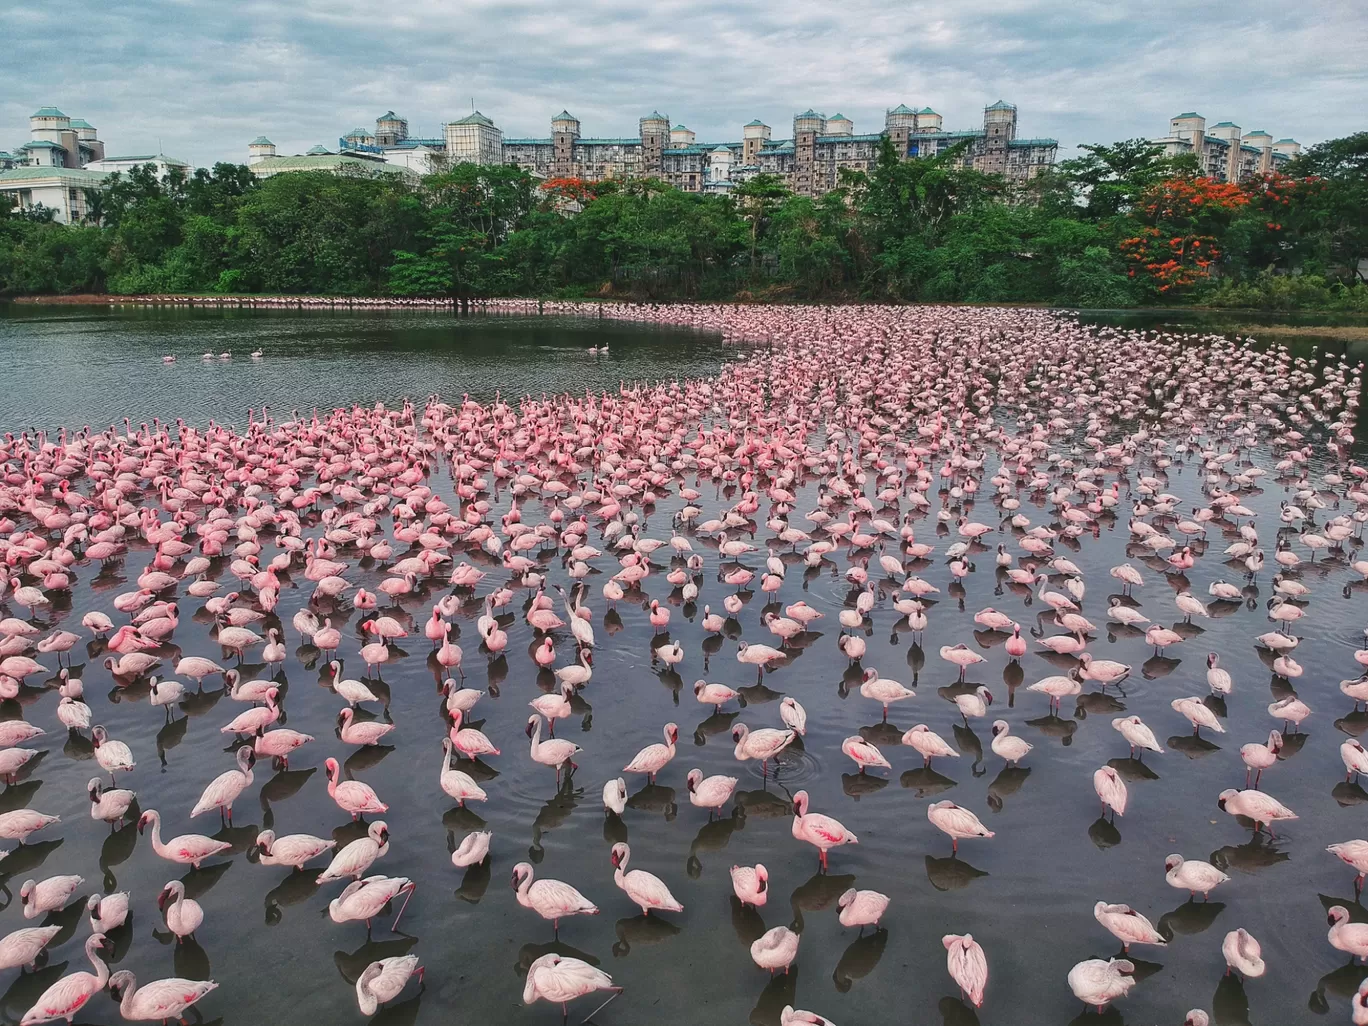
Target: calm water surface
[(1027, 895), (95, 365)]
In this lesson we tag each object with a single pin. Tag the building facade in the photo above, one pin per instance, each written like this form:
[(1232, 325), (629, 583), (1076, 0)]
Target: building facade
[(61, 190), (1223, 152), (161, 164), (56, 140), (810, 159), (474, 139)]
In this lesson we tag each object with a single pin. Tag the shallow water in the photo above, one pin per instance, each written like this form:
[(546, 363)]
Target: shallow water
[(1026, 895), (75, 365)]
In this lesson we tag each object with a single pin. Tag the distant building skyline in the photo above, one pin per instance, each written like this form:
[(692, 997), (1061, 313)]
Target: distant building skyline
[(810, 158)]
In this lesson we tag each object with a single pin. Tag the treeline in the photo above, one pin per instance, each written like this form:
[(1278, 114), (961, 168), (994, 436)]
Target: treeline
[(1119, 226)]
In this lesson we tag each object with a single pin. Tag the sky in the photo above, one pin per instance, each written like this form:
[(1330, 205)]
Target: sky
[(198, 79)]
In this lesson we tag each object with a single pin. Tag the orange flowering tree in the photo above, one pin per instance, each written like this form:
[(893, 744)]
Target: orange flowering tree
[(568, 189), (1178, 224)]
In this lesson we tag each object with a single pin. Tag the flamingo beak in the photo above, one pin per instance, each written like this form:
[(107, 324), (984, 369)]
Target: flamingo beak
[(162, 899)]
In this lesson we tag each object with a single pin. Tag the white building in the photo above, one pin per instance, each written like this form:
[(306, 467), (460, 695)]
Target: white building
[(1222, 151), (720, 164), (473, 140), (160, 161), (420, 159), (59, 189), (56, 140)]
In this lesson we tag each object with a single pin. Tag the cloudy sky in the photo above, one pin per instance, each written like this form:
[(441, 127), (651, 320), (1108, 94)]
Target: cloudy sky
[(200, 78)]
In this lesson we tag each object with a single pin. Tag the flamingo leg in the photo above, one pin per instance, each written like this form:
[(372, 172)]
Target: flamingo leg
[(410, 888)]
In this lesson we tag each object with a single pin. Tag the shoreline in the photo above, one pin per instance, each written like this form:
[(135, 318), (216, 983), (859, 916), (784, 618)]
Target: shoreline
[(252, 301)]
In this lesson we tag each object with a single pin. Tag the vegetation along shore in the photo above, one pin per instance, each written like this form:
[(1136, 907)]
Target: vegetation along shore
[(1118, 226)]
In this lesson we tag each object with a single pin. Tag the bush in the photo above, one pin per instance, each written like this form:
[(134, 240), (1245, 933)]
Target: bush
[(1289, 292)]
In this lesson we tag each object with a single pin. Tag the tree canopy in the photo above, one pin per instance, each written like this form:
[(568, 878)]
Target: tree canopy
[(1119, 225)]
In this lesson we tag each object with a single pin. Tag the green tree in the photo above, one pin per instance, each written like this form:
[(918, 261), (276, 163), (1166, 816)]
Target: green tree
[(757, 198), (1109, 179), (1341, 208)]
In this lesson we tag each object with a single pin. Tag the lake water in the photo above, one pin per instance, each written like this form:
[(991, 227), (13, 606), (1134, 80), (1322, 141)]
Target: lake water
[(100, 364), (1026, 896)]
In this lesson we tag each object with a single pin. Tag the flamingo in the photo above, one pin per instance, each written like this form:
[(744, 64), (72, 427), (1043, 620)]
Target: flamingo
[(822, 832), (643, 888), (69, 995)]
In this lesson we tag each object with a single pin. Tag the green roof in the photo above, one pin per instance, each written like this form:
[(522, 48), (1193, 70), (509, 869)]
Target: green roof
[(809, 113), (317, 151), (902, 108), (1001, 105), (1186, 114), (41, 144), (679, 128), (1287, 140), (47, 112), (80, 123), (323, 162), (151, 157), (1257, 131), (655, 115), (72, 175), (565, 115), (838, 117), (261, 140), (927, 110), (359, 133), (1225, 124), (389, 115), (474, 118), (756, 123)]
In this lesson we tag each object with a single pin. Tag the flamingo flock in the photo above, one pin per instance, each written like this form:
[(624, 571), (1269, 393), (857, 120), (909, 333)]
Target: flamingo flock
[(941, 476)]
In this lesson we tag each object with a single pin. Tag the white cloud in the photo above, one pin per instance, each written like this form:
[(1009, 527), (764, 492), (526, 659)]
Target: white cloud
[(204, 77)]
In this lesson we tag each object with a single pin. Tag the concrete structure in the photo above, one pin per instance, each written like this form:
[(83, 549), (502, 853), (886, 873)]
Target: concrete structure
[(259, 149), (1223, 152), (160, 161), (810, 160), (58, 189), (390, 129), (473, 140), (56, 140), (392, 143)]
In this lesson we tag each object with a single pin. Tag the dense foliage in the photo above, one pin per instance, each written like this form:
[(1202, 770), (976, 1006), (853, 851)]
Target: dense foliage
[(1120, 225)]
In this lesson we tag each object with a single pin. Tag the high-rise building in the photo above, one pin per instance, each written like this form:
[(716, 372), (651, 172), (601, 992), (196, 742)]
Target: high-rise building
[(1223, 152), (810, 160)]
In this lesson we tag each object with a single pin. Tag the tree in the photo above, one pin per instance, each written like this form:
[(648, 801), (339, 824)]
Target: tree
[(1111, 178), (1341, 222), (756, 199), (1180, 219), (469, 211)]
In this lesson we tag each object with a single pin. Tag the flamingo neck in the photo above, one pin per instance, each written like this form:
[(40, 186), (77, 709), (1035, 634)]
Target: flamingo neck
[(126, 1002), (101, 970)]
